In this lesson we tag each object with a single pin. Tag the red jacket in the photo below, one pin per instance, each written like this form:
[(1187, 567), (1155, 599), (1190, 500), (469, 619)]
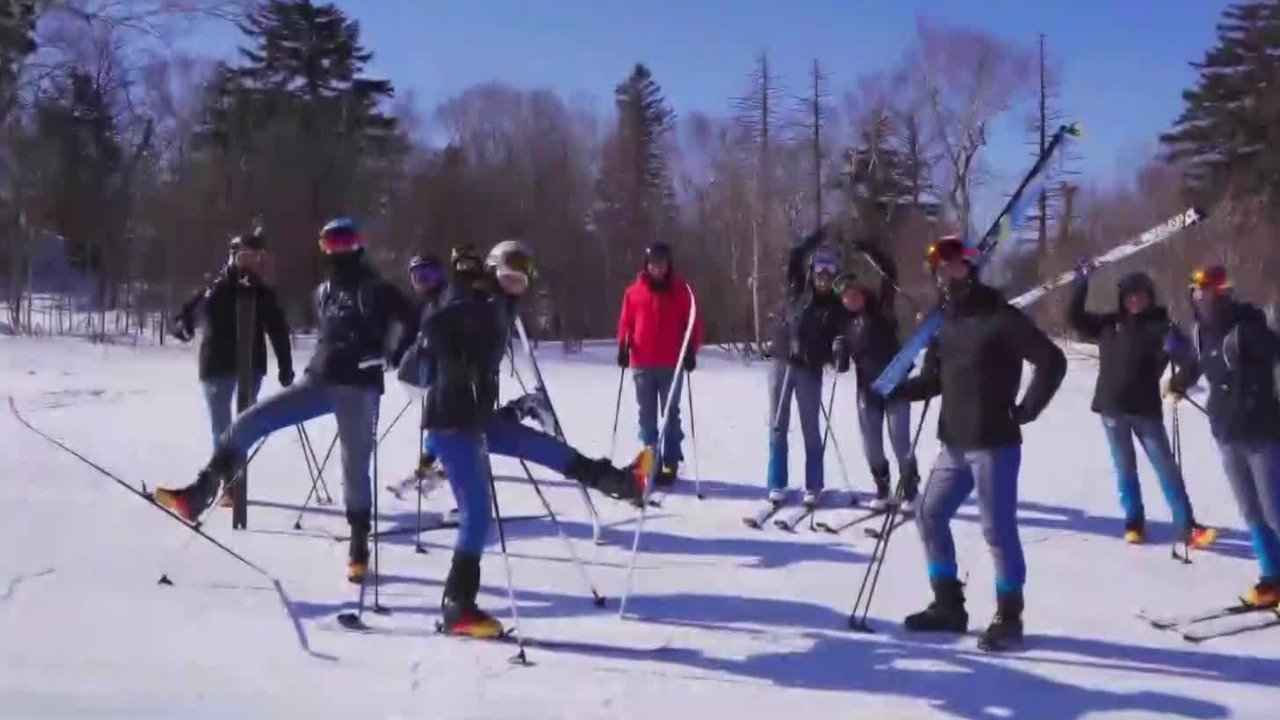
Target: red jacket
[(652, 323)]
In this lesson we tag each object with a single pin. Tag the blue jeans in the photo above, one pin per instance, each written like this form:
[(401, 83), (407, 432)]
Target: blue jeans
[(466, 464), (355, 409), (806, 385), (872, 414), (1253, 470), (220, 396), (652, 387), (1120, 431), (994, 472), (506, 435)]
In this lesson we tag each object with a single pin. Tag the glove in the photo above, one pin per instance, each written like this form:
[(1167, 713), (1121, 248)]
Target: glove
[(794, 355), (840, 355), (690, 362), (1174, 389), (1176, 345), (624, 355), (1021, 415), (1083, 268), (285, 376), (179, 328)]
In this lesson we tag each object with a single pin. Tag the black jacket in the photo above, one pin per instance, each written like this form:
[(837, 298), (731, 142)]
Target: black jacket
[(364, 324), (871, 340), (1133, 351), (215, 308), (461, 342), (975, 363), (811, 321), (1238, 361)]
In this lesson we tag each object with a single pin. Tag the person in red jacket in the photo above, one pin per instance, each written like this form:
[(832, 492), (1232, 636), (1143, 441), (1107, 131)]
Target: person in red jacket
[(656, 310)]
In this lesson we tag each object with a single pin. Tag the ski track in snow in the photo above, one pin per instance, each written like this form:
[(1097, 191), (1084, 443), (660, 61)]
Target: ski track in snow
[(723, 619)]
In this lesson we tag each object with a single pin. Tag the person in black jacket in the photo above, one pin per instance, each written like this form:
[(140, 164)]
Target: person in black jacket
[(1238, 355), (803, 345), (364, 324), (214, 307), (870, 341), (1135, 343), (975, 364)]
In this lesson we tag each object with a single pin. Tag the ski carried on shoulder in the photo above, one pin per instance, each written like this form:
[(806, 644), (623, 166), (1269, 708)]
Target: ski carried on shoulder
[(758, 520)]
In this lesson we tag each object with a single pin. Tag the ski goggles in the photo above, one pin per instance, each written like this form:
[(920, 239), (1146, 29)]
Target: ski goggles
[(948, 250), (517, 263), (425, 275), (340, 239), (825, 265), (1210, 281), (464, 258)]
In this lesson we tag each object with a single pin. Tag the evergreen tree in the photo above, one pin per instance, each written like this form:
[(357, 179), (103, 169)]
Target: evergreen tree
[(17, 41), (1228, 134)]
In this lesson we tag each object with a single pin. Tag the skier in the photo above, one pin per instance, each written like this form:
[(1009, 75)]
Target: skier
[(426, 275), (1238, 354), (364, 322), (656, 310), (870, 341), (1134, 345), (803, 345), (461, 342), (215, 308), (975, 364)]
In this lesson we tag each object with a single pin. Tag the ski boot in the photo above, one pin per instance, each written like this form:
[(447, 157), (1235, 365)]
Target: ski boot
[(945, 614), (190, 502), (811, 498), (1265, 594), (600, 474), (1005, 630), (358, 549), (1135, 532), (777, 497), (1199, 536), (910, 482), (881, 477), (458, 610), (666, 477)]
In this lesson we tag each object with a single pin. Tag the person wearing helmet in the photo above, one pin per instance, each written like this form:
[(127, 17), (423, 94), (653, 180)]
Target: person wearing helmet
[(456, 359), (1135, 343), (870, 342), (427, 277), (803, 342), (1238, 354), (975, 365), (657, 309), (214, 307), (363, 323)]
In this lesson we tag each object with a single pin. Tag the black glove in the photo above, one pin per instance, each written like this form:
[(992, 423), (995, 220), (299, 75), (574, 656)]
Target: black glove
[(794, 355), (624, 355), (1021, 415), (839, 355), (285, 376), (690, 362)]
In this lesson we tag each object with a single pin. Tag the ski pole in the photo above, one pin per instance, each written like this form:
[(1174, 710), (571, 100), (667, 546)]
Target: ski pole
[(596, 598), (617, 411), (394, 420), (1185, 558), (309, 453), (881, 548), (422, 446), (314, 492), (835, 444), (377, 542), (693, 432), (520, 656)]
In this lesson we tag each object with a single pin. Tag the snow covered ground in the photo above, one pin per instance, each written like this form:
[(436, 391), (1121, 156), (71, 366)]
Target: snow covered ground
[(727, 620)]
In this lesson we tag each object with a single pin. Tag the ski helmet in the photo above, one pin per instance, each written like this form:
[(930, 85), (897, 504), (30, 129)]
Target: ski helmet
[(1210, 281), (465, 258), (340, 235), (949, 249), (658, 250), (255, 240), (424, 270), (511, 258)]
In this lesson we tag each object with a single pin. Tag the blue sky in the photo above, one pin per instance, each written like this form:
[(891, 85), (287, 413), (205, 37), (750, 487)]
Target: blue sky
[(1124, 62)]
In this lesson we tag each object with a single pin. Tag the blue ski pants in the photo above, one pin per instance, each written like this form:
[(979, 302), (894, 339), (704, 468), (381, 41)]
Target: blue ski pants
[(1253, 469), (355, 408), (220, 397), (805, 385), (652, 387), (873, 412), (1120, 431), (994, 472), (465, 457)]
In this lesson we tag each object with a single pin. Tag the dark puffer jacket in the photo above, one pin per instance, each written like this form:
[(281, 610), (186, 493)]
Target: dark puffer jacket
[(215, 308), (1238, 359), (811, 320)]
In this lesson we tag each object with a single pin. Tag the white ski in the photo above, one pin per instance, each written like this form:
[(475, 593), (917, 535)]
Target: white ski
[(1155, 235)]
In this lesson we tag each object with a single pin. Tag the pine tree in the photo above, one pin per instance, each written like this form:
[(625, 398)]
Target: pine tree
[(17, 41), (1228, 135)]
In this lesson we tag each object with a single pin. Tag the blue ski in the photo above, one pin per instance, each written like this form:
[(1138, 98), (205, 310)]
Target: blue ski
[(1006, 222)]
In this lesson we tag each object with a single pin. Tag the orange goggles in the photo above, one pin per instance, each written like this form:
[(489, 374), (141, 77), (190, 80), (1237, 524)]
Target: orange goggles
[(1210, 281)]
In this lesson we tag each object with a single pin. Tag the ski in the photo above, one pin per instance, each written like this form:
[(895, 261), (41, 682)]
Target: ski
[(430, 483), (902, 519), (1173, 622), (758, 520), (1153, 236), (145, 496), (857, 519), (1005, 223), (790, 524), (1232, 625)]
